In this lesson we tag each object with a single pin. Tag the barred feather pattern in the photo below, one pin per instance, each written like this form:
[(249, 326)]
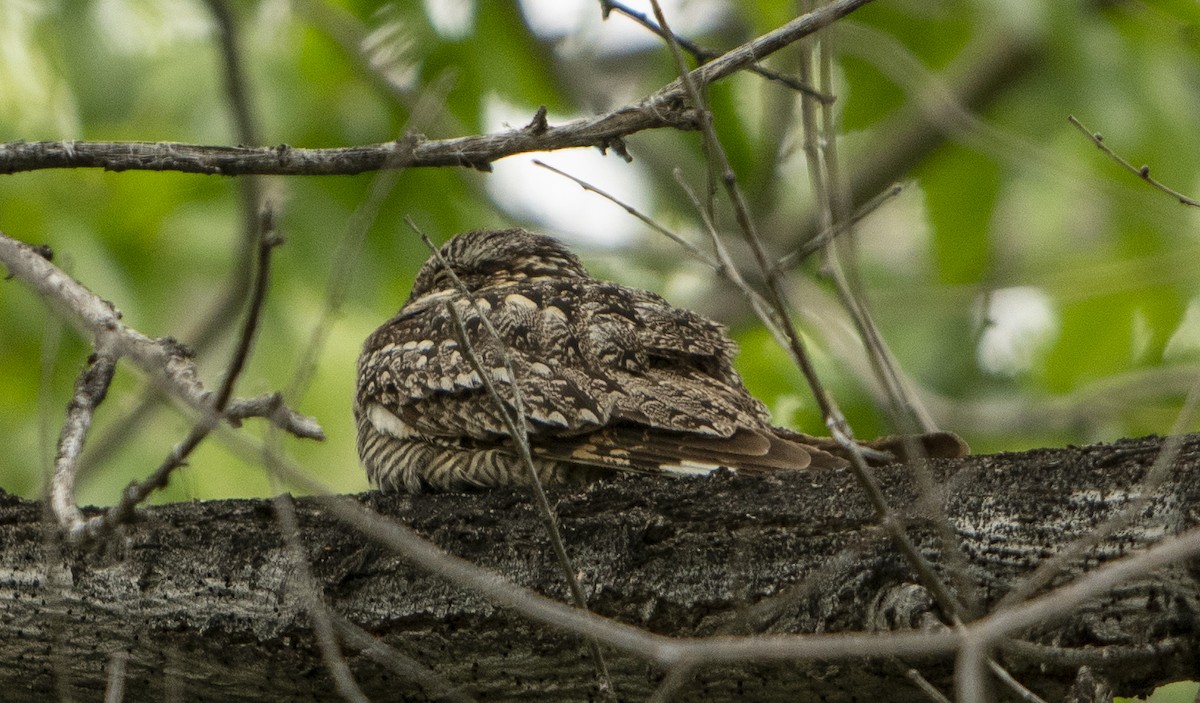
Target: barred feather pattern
[(610, 378)]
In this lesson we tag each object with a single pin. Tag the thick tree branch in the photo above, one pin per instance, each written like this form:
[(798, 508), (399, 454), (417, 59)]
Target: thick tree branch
[(202, 598), (664, 108)]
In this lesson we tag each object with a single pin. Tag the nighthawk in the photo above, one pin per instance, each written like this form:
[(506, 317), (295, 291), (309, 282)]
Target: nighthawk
[(610, 378)]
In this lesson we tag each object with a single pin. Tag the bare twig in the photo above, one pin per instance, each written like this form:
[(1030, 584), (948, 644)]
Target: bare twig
[(667, 651), (658, 649), (426, 111), (163, 359), (515, 421), (825, 171), (1142, 173), (815, 244), (137, 492), (90, 389), (917, 679), (703, 55), (970, 673), (1057, 604), (660, 109), (1009, 680), (688, 246), (677, 677)]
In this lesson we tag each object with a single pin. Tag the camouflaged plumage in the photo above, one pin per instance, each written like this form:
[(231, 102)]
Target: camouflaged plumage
[(611, 378)]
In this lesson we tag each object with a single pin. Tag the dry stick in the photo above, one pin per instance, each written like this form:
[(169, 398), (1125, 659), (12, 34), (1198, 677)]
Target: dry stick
[(90, 389), (786, 261), (247, 131), (703, 55), (728, 268), (318, 613), (950, 604), (834, 419), (518, 429), (921, 682), (1142, 173), (825, 171), (1009, 680), (669, 651), (659, 109), (970, 674), (695, 252), (1054, 605), (836, 209), (818, 241), (677, 677)]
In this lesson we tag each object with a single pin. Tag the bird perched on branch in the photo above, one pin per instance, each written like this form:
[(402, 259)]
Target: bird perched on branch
[(600, 378)]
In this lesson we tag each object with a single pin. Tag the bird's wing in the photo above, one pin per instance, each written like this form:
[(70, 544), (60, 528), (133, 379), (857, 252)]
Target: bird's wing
[(638, 449), (581, 358)]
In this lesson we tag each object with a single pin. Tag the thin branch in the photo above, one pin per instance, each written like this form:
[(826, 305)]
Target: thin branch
[(137, 492), (90, 389), (677, 677), (695, 252), (165, 360), (430, 105), (1052, 606), (668, 651), (815, 244), (970, 674), (820, 127), (1142, 173), (917, 679), (661, 109), (703, 55), (1008, 680), (223, 313)]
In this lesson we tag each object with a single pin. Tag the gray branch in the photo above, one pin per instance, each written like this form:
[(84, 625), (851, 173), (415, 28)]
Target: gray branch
[(203, 599), (665, 108)]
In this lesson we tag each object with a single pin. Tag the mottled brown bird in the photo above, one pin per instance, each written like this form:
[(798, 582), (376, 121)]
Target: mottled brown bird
[(610, 377)]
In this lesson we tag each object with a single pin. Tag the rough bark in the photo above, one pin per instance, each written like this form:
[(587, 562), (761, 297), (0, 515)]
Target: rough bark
[(201, 597)]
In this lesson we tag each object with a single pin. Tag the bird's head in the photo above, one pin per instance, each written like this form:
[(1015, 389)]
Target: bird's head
[(485, 258)]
